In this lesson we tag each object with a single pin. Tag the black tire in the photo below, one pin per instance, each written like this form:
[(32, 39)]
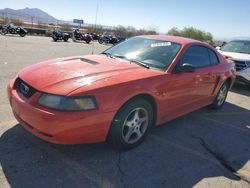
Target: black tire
[(87, 40), (55, 39), (22, 34), (66, 39), (100, 41), (221, 96), (4, 31), (128, 130)]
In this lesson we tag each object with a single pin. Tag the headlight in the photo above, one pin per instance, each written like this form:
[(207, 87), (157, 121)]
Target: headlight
[(67, 103)]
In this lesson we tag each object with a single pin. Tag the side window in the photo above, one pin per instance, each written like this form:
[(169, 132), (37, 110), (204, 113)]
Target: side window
[(213, 58), (197, 56)]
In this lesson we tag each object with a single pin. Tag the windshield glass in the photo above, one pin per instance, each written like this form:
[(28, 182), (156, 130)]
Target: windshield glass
[(154, 53), (237, 47)]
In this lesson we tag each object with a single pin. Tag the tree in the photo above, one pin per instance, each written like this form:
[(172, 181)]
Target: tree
[(66, 27), (174, 32), (191, 32)]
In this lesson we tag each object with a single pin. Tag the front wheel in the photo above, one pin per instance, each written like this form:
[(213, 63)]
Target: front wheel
[(4, 31), (54, 38), (221, 96), (131, 124)]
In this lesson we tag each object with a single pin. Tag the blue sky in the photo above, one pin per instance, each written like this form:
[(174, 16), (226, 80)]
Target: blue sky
[(223, 18)]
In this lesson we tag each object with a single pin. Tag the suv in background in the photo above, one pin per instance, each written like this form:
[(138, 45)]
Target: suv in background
[(239, 51)]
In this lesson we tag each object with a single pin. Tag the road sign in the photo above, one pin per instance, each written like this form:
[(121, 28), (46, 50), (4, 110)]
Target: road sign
[(78, 21)]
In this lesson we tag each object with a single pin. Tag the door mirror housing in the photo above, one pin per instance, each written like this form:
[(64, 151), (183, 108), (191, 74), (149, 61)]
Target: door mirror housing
[(186, 67)]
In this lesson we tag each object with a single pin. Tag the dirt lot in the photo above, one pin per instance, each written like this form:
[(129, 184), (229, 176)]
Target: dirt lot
[(203, 149)]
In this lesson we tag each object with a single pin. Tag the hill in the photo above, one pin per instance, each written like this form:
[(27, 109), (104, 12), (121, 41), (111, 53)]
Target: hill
[(28, 15)]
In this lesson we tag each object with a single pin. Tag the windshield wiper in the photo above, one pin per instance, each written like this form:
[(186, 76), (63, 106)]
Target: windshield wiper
[(139, 63), (124, 57), (108, 54)]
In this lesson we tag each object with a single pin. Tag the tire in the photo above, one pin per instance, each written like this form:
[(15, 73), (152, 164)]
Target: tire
[(55, 39), (22, 34), (87, 41), (131, 124), (100, 41), (221, 96), (4, 31), (66, 39)]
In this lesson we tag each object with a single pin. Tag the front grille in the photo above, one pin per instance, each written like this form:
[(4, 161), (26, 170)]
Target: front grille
[(240, 65), (23, 88)]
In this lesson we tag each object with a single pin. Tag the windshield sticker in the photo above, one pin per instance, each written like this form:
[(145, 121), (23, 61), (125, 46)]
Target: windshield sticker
[(160, 44)]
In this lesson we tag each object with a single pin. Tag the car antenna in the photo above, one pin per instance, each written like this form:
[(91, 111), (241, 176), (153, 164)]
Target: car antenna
[(96, 13)]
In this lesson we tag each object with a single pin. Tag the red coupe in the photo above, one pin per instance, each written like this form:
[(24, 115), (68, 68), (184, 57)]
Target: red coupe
[(119, 94)]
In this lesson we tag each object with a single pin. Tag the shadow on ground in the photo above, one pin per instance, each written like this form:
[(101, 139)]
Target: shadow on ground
[(187, 150)]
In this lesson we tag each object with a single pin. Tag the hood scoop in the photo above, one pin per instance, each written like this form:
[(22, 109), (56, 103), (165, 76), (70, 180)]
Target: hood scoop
[(88, 61)]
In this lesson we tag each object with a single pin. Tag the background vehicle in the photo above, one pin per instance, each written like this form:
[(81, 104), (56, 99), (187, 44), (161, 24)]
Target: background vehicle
[(57, 35), (11, 29), (239, 51), (108, 39), (78, 36), (95, 36)]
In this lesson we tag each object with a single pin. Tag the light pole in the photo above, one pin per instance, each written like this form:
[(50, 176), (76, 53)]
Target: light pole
[(96, 13)]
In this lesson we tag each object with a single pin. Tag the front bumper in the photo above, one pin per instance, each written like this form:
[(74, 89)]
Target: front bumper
[(243, 76), (59, 127), (244, 73)]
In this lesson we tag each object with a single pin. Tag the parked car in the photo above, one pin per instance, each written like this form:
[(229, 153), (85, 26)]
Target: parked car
[(121, 93), (58, 35), (239, 51), (11, 29)]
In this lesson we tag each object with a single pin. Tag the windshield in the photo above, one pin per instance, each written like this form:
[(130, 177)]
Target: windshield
[(154, 53), (237, 47)]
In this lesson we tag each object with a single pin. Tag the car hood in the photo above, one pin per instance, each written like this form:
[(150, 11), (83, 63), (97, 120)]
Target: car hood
[(237, 56), (62, 76)]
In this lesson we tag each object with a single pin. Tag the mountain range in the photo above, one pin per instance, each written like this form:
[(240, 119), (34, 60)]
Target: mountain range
[(28, 15)]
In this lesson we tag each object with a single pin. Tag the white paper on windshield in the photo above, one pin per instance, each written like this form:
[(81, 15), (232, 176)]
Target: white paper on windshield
[(160, 44)]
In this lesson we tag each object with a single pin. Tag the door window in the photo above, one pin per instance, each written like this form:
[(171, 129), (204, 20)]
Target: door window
[(197, 56)]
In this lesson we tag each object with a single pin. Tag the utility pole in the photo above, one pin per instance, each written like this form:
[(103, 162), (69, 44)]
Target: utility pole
[(3, 17), (96, 13), (32, 20)]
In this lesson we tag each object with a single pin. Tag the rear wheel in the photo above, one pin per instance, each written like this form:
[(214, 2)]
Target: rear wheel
[(100, 41), (66, 39), (22, 34), (131, 124), (221, 96), (87, 40)]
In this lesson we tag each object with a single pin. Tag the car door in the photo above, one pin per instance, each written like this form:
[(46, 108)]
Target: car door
[(187, 91)]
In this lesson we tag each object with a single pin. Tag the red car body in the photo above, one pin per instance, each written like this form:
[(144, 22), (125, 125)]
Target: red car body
[(113, 82)]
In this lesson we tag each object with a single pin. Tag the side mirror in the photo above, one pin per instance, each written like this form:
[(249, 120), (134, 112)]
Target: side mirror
[(218, 48), (186, 67)]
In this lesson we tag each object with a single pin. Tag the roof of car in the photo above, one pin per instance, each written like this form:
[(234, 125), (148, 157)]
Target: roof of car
[(180, 40)]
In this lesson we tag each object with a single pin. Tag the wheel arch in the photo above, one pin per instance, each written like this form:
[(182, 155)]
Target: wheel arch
[(144, 96)]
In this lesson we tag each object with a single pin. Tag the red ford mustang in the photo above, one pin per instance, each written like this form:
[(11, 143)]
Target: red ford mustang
[(119, 94)]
